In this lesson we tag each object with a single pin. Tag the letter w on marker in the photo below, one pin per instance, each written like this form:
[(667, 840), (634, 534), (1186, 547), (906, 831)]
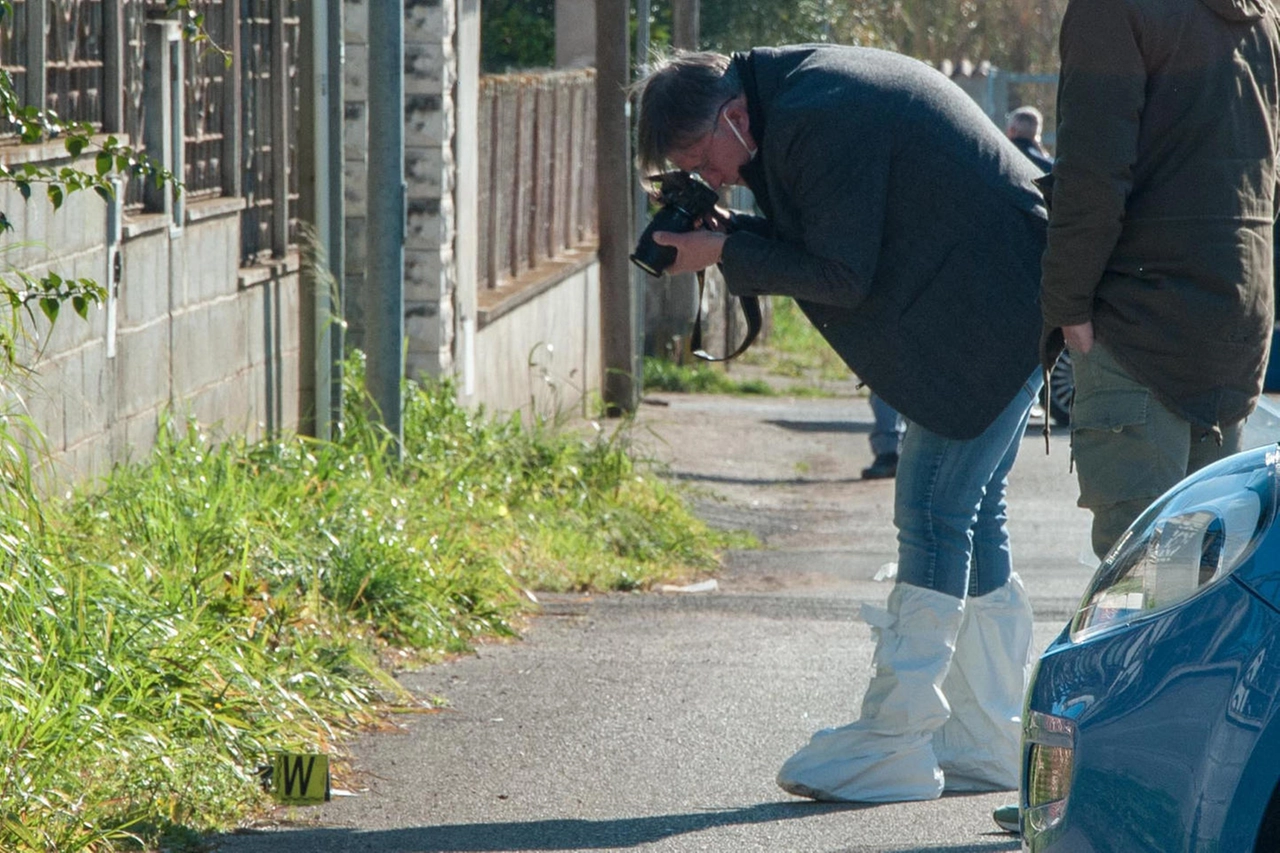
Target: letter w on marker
[(301, 778)]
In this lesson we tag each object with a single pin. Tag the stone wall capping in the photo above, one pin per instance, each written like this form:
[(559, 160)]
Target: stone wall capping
[(51, 150), (276, 268), (141, 224), (213, 207), (493, 303)]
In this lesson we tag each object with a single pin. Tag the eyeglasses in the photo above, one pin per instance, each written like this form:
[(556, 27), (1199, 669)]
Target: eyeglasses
[(715, 128)]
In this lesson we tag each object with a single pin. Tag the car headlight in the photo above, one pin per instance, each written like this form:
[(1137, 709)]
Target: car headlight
[(1050, 745), (1197, 533)]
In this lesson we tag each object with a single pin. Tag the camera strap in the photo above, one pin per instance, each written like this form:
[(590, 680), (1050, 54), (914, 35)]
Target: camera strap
[(750, 310)]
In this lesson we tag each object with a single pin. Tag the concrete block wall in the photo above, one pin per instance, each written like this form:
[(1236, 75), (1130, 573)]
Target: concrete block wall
[(544, 357), (442, 324), (430, 268), (431, 73), (195, 333), (355, 152)]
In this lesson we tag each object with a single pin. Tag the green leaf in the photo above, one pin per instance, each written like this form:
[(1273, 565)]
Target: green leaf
[(5, 224), (104, 191), (25, 189), (81, 305), (50, 307), (55, 195), (102, 163), (75, 144)]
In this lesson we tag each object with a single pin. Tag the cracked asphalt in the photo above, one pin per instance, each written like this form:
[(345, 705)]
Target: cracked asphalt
[(656, 722)]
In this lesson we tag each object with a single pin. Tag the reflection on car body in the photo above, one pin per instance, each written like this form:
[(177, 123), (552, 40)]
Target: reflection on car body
[(1152, 721)]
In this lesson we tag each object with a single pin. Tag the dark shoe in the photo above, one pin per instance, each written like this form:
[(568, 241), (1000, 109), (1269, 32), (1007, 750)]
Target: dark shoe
[(1008, 818), (884, 468)]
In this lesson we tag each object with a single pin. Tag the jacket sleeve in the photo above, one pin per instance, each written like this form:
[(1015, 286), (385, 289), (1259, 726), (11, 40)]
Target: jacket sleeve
[(828, 216), (1101, 93), (749, 222)]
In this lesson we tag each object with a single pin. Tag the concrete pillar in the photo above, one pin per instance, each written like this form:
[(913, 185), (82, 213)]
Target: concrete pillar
[(618, 309), (319, 161), (467, 191), (383, 298), (684, 24), (575, 33)]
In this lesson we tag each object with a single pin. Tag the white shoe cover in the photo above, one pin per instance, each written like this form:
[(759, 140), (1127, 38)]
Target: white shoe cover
[(887, 755), (980, 747)]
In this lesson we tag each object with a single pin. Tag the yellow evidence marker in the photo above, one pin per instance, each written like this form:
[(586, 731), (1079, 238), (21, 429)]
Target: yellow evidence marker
[(300, 779)]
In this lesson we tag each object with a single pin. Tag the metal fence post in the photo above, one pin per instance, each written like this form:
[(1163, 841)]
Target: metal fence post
[(383, 297)]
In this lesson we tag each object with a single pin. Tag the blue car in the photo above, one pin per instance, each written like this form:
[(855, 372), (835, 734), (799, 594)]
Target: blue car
[(1153, 722)]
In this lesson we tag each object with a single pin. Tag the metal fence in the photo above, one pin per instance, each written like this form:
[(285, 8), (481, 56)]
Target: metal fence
[(271, 99), (235, 118), (537, 169), (74, 59), (205, 119)]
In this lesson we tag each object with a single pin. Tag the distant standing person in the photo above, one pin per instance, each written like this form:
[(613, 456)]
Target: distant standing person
[(1023, 129), (886, 440)]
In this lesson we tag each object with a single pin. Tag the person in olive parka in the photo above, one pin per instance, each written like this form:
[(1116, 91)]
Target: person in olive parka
[(1158, 270)]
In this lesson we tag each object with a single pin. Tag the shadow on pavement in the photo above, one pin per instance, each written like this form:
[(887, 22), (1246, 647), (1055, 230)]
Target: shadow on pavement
[(759, 481), (566, 834), (823, 426)]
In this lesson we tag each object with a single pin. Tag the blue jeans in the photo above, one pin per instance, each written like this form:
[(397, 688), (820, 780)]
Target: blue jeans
[(949, 504), (886, 432)]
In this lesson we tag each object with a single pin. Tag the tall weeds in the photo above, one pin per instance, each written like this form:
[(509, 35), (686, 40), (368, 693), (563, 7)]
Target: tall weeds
[(164, 632)]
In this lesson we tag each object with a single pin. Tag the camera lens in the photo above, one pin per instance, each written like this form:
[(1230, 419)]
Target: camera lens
[(651, 257)]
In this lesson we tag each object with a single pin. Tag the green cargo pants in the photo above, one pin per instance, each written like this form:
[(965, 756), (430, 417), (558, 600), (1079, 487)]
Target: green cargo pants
[(1129, 449)]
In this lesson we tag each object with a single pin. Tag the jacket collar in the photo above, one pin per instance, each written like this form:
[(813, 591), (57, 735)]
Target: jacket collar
[(753, 172)]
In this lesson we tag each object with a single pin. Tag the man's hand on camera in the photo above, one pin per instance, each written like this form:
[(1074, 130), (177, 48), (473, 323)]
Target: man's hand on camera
[(695, 250)]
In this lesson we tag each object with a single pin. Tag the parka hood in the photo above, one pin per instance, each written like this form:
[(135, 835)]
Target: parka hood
[(1240, 10)]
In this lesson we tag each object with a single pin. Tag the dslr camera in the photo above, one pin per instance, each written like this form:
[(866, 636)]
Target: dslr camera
[(685, 198)]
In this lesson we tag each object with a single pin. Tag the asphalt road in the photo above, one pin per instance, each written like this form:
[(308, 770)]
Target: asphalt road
[(656, 722)]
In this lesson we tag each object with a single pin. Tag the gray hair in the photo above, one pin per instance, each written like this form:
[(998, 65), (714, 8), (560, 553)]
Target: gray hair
[(678, 102), (1025, 121)]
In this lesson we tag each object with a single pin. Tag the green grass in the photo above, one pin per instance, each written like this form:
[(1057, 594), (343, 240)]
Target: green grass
[(795, 348), (662, 375), (166, 631)]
